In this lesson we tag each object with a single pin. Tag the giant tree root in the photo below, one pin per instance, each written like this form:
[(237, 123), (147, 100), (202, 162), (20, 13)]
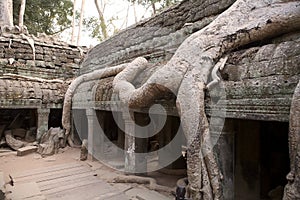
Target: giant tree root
[(246, 21), (12, 142), (150, 182), (98, 74), (188, 74), (292, 189)]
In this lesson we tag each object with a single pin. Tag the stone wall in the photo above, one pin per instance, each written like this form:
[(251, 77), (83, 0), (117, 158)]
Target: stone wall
[(156, 38), (260, 81), (42, 56), (20, 93)]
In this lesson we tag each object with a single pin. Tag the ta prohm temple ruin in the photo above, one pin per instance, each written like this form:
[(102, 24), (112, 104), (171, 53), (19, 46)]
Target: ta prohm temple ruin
[(206, 88)]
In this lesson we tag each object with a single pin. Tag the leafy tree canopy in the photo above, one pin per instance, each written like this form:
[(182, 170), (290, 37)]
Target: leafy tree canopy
[(93, 24), (45, 16)]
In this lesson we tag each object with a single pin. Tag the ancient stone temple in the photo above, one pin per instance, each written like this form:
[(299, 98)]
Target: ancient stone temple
[(206, 88), (34, 76), (240, 125)]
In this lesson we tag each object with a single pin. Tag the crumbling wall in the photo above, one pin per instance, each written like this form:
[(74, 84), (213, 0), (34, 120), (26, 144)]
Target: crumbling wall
[(16, 93), (260, 80), (42, 56), (34, 76)]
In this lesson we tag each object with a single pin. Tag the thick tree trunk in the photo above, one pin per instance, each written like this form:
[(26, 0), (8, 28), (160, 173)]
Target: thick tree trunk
[(292, 189), (102, 20), (6, 13), (189, 69), (21, 13), (188, 75), (244, 22), (80, 21), (98, 74), (73, 41)]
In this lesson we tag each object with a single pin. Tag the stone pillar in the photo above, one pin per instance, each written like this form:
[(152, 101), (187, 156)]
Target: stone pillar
[(129, 145), (6, 13), (91, 117), (42, 122)]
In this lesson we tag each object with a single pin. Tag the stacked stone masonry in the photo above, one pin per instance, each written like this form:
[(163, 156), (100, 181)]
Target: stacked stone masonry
[(156, 38), (42, 56), (31, 94), (34, 70)]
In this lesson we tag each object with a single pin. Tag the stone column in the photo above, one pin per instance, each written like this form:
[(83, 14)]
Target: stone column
[(42, 122), (129, 143), (91, 117)]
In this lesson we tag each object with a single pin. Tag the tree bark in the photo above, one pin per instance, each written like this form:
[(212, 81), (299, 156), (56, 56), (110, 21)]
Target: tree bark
[(189, 69), (188, 72), (21, 13), (292, 189), (6, 13), (98, 74), (73, 40), (102, 20), (80, 21)]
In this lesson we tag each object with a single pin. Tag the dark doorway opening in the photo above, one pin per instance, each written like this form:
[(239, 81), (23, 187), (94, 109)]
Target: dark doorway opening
[(21, 122), (261, 159), (55, 117), (80, 125)]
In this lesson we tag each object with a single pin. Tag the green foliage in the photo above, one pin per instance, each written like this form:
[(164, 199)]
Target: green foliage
[(45, 16), (93, 25)]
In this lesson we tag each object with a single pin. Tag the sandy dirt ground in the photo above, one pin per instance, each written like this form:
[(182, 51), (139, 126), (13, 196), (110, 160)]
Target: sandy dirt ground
[(10, 163)]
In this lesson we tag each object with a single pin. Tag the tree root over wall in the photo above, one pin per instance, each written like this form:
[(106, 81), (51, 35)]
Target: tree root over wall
[(188, 72), (292, 189)]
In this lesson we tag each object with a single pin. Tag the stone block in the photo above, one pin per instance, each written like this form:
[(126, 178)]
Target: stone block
[(30, 63), (40, 64), (39, 56), (26, 150)]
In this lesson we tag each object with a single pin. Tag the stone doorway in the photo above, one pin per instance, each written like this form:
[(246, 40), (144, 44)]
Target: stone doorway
[(55, 117), (261, 159), (21, 122)]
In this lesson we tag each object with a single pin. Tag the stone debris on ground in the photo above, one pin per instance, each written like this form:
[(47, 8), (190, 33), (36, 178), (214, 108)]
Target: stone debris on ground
[(26, 150)]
